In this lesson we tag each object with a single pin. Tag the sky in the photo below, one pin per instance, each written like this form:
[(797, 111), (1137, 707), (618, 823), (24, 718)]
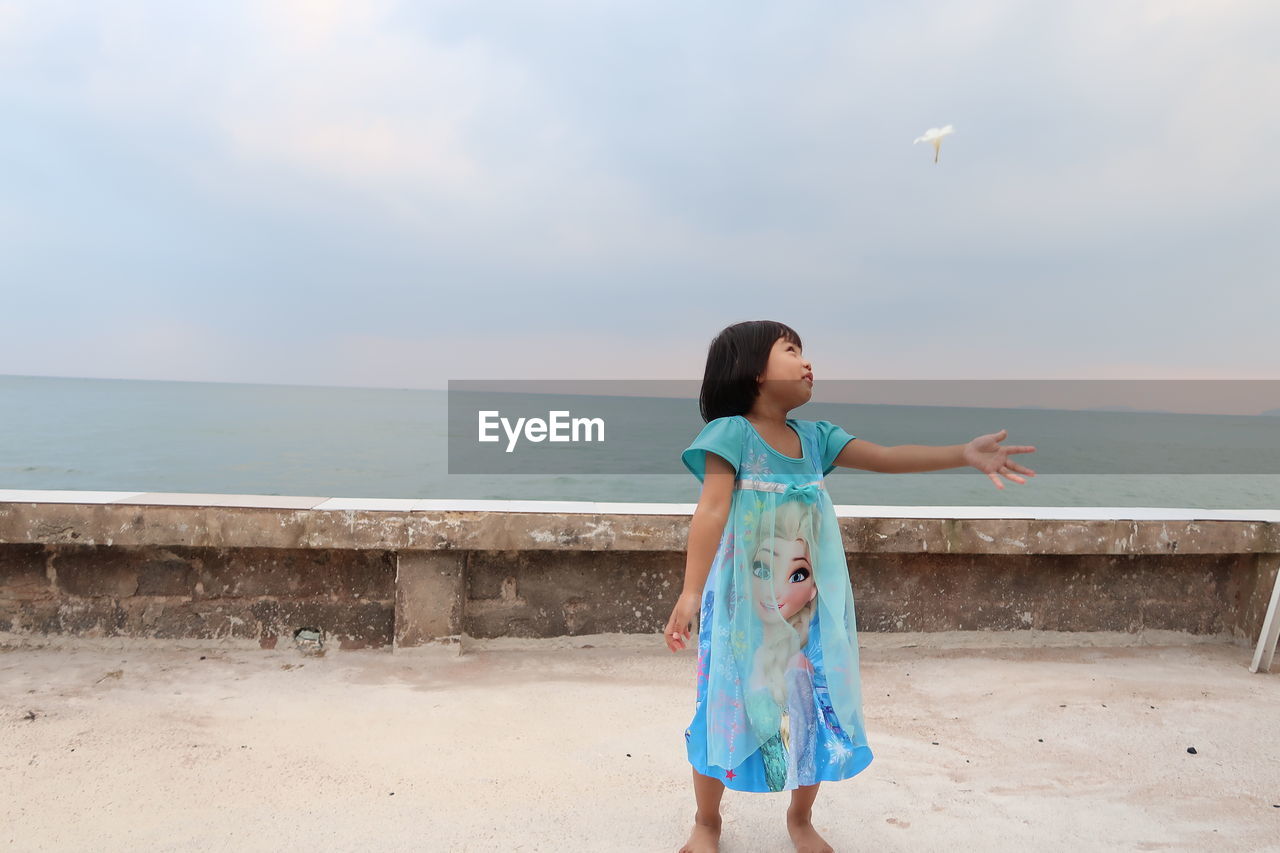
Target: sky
[(389, 194)]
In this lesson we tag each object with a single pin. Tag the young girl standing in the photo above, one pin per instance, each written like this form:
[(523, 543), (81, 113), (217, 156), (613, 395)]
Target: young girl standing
[(779, 700)]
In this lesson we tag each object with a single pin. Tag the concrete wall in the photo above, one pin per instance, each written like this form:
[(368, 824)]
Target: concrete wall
[(402, 576)]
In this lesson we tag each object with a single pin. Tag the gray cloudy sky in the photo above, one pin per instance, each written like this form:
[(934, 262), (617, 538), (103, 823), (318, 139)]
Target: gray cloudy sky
[(398, 194)]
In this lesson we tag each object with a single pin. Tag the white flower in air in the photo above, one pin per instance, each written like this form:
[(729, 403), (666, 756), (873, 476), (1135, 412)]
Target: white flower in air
[(934, 135)]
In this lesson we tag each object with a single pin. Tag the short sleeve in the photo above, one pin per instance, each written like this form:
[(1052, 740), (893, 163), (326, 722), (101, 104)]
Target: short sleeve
[(723, 437), (831, 440)]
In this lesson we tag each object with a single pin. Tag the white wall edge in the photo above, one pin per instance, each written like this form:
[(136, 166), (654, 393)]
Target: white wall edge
[(1046, 513)]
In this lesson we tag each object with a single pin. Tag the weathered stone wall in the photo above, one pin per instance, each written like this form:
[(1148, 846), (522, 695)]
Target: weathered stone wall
[(179, 591), (402, 579)]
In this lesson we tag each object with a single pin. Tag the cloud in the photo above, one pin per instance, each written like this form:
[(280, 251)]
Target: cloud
[(344, 169), (460, 130)]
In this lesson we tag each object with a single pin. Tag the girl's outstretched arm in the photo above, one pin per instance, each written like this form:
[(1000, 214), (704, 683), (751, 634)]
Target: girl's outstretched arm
[(983, 453), (705, 530)]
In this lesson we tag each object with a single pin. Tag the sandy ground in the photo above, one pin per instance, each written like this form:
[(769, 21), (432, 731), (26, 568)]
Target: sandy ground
[(563, 748)]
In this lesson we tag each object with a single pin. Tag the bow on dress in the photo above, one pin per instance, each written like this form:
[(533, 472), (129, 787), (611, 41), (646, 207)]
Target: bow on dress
[(809, 494)]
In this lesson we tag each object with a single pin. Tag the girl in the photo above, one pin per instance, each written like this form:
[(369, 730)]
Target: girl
[(779, 703)]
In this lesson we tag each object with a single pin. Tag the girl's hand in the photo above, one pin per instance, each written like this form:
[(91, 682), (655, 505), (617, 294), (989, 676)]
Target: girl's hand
[(677, 630), (986, 454)]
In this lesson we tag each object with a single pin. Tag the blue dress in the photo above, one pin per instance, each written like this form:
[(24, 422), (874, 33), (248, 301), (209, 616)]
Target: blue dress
[(779, 701)]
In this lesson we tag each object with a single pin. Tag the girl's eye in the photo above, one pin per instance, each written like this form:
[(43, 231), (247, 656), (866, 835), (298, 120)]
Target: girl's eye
[(761, 570), (799, 575)]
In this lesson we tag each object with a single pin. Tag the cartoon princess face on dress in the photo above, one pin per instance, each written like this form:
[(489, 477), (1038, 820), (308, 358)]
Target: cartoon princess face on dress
[(785, 565)]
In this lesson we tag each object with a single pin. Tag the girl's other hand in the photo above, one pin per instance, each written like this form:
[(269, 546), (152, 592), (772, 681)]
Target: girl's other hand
[(681, 621), (986, 454)]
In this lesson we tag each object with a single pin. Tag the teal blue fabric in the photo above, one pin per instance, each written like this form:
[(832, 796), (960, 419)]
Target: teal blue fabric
[(832, 439), (723, 437), (779, 701)]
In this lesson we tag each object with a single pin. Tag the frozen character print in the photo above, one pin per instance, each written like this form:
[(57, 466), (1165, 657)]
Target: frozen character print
[(785, 592)]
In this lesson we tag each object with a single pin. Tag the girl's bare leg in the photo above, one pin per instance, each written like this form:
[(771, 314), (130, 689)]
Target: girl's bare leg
[(803, 835), (705, 837)]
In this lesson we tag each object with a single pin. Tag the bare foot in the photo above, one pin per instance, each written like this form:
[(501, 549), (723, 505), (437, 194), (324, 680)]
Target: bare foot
[(705, 838), (805, 837)]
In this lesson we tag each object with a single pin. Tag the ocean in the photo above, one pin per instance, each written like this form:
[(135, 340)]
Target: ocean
[(162, 436)]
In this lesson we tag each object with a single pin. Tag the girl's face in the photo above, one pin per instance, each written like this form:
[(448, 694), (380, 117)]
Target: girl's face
[(781, 569), (788, 375)]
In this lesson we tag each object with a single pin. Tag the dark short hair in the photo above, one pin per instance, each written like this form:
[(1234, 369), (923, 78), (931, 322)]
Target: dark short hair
[(736, 357)]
